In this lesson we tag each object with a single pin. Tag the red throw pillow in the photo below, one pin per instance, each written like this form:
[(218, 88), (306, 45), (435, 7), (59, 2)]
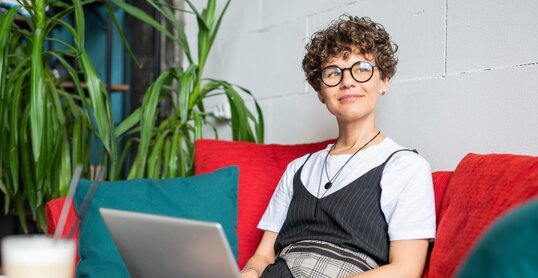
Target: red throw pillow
[(260, 169), (53, 209), (481, 188)]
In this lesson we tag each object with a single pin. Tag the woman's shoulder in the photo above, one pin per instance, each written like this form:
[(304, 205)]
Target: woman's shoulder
[(401, 157)]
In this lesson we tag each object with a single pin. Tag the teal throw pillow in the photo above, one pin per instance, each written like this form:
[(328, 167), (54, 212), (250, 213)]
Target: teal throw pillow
[(210, 197)]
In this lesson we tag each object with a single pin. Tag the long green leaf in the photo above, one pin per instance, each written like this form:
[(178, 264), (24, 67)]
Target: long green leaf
[(204, 33), (56, 104), (198, 125), (5, 35), (7, 197), (128, 123), (78, 139), (99, 103), (3, 188), (21, 211), (216, 28), (37, 84), (147, 122), (80, 24), (29, 172), (14, 132), (65, 167), (121, 163), (71, 30), (171, 7), (260, 127), (40, 219), (143, 16), (165, 153), (171, 18), (185, 84), (120, 32), (209, 13), (186, 154), (73, 75), (154, 159), (62, 43), (66, 8), (259, 123), (199, 16), (172, 161)]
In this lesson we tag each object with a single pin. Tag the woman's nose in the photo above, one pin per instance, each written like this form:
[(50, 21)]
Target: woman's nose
[(347, 79)]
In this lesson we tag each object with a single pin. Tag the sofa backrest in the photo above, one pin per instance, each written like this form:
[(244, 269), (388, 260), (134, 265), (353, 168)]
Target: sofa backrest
[(260, 168), (467, 201)]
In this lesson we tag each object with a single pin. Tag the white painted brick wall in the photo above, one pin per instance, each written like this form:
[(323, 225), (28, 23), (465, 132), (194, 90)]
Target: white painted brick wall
[(467, 79)]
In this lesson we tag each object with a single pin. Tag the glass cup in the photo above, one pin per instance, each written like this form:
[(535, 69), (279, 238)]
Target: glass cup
[(41, 256)]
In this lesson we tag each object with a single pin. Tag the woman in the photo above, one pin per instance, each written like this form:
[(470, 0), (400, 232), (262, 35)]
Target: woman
[(363, 206)]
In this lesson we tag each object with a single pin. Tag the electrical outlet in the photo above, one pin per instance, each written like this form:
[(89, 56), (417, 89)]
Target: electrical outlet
[(222, 111)]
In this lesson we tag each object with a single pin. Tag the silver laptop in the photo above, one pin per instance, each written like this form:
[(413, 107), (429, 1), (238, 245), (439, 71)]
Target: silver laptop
[(159, 246)]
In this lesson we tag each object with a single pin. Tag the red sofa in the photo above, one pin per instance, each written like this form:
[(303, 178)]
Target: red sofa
[(467, 200)]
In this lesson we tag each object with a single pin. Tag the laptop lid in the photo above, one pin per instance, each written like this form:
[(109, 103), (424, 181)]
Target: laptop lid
[(160, 246)]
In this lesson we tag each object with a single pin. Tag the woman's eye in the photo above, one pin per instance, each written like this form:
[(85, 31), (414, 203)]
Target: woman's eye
[(334, 74)]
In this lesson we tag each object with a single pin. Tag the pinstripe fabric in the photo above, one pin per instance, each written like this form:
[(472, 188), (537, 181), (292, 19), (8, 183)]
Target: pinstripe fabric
[(350, 218)]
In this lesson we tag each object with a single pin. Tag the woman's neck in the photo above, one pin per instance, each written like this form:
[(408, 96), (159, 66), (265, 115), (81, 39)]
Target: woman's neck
[(353, 137)]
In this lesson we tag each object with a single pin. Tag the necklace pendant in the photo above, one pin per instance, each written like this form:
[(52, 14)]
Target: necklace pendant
[(328, 185)]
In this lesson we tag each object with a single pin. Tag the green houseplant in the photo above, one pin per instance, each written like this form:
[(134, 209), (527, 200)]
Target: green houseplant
[(45, 129), (166, 144)]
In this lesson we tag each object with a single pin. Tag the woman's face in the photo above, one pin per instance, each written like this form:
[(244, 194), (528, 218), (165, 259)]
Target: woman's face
[(351, 100)]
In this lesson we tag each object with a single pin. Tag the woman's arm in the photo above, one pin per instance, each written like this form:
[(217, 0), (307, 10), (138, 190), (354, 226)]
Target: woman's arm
[(264, 255), (406, 259)]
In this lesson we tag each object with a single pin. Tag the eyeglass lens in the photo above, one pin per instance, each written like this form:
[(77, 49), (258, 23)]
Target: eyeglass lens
[(361, 71)]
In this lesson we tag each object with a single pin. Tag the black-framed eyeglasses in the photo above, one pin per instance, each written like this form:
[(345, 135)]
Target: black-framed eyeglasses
[(361, 72)]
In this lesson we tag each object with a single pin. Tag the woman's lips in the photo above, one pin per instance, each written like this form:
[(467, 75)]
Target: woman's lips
[(350, 97)]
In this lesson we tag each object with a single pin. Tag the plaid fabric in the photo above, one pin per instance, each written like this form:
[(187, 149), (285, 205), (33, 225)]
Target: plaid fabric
[(318, 259)]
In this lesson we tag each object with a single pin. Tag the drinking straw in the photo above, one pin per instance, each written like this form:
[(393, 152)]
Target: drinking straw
[(86, 202), (67, 202)]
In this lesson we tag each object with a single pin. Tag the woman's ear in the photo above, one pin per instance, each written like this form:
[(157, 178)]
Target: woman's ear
[(384, 85)]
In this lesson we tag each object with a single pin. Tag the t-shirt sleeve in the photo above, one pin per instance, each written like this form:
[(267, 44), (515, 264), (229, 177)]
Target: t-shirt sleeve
[(275, 214), (407, 199)]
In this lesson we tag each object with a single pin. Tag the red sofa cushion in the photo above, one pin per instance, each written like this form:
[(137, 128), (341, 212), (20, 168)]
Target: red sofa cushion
[(260, 169), (481, 188), (53, 209)]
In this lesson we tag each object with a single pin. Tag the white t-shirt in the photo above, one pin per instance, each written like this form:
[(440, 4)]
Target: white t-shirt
[(407, 199)]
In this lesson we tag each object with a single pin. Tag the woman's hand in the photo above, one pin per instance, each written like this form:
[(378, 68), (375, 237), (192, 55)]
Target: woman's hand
[(263, 256), (249, 273)]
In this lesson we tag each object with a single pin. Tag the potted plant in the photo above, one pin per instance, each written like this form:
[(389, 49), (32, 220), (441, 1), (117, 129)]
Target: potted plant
[(166, 144), (45, 129)]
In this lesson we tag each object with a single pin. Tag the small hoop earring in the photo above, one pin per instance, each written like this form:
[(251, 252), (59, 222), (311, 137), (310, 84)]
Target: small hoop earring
[(382, 93)]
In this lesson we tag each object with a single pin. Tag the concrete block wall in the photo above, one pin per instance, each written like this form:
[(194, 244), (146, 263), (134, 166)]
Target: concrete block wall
[(467, 80)]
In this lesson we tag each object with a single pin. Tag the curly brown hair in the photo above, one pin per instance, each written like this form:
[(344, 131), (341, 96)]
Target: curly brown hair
[(341, 38)]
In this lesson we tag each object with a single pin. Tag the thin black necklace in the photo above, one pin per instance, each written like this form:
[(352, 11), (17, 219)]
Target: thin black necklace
[(330, 181), (329, 184)]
